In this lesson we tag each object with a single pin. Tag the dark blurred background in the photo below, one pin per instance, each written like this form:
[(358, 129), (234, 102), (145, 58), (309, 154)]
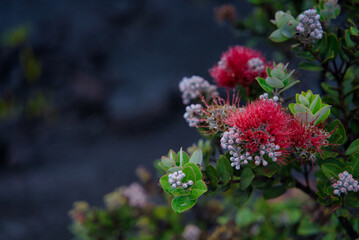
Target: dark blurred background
[(89, 92)]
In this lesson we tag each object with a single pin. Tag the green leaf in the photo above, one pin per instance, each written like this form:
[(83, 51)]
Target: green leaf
[(174, 169), (277, 73), (322, 114), (246, 178), (190, 175), (268, 170), (331, 170), (291, 108), (300, 108), (197, 190), (273, 192), (309, 95), (332, 47), (196, 169), (354, 31), (325, 187), (212, 176), (303, 100), (277, 36), (185, 158), (310, 66), (197, 157), (352, 200), (288, 29), (304, 117), (289, 86), (274, 82), (327, 152), (224, 169), (306, 227), (353, 147), (165, 184), (328, 89), (339, 135), (179, 191), (284, 18), (241, 196), (168, 162), (173, 155), (264, 85), (182, 203), (316, 104), (353, 161), (348, 40), (306, 55), (334, 160), (277, 16)]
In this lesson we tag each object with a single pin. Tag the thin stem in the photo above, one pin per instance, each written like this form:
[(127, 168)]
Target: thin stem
[(306, 176), (348, 227), (306, 189), (219, 147), (335, 66)]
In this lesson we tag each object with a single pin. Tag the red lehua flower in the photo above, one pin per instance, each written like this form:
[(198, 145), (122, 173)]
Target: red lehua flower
[(239, 65), (308, 139), (263, 129)]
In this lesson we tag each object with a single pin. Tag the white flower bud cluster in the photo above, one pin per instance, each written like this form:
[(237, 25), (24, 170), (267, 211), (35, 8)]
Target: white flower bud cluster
[(232, 141), (271, 150), (265, 97), (175, 179), (255, 65), (192, 87), (193, 114), (309, 29), (345, 184), (191, 232)]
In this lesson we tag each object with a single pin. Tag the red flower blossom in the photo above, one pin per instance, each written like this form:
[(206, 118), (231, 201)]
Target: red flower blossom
[(239, 65), (261, 132), (308, 139)]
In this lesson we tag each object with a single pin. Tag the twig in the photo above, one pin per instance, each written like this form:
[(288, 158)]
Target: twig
[(306, 176), (348, 228), (306, 189), (219, 147)]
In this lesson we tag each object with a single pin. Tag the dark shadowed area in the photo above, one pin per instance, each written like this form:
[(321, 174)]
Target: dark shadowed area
[(108, 86)]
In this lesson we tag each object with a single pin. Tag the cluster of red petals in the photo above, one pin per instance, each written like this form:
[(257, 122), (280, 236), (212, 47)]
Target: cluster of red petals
[(308, 137), (233, 67), (261, 122)]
